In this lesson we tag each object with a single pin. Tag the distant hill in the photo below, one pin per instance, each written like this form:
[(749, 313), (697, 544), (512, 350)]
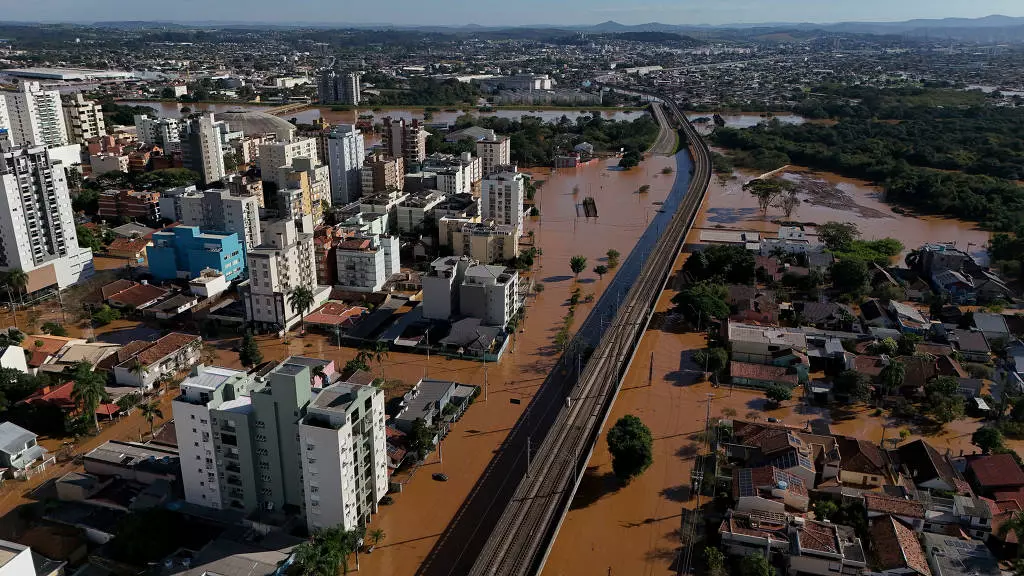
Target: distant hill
[(658, 38)]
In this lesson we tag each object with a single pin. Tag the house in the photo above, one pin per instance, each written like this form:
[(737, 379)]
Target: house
[(763, 375), (896, 549), (175, 352), (765, 344), (768, 268), (746, 533), (920, 462), (954, 556), (873, 313), (863, 463), (993, 473), (993, 326), (880, 506), (958, 286), (133, 295), (825, 315), (990, 287), (65, 359), (908, 318), (143, 463), (19, 451), (436, 402), (751, 305), (132, 249), (759, 444), (972, 345), (172, 306), (768, 489), (824, 549)]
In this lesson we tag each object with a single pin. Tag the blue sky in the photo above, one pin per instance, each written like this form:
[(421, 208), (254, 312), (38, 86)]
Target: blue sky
[(504, 12)]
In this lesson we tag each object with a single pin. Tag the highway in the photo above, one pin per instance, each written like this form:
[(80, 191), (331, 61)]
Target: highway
[(507, 524)]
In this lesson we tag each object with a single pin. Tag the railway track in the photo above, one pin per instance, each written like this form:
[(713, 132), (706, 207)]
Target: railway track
[(521, 539)]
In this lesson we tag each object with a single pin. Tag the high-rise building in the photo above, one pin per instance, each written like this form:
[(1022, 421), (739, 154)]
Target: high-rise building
[(459, 286), (339, 87), (494, 153), (215, 210), (84, 119), (365, 263), (283, 262), (278, 408), (35, 116), (201, 149), (344, 456), (37, 225), (314, 182), (380, 174), (501, 198), (345, 154), (276, 155), (162, 132), (406, 140)]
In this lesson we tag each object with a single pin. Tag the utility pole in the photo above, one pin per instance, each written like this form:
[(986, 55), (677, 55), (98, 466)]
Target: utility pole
[(527, 455), (650, 372)]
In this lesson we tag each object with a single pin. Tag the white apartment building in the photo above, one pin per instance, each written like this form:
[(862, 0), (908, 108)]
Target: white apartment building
[(494, 153), (344, 456), (460, 286), (411, 213), (209, 394), (37, 225), (162, 132), (201, 148), (279, 154), (501, 198), (84, 119), (485, 241), (345, 153), (35, 116), (455, 174), (283, 262), (215, 210), (365, 263)]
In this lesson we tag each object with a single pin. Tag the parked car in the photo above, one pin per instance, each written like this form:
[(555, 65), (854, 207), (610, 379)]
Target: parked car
[(440, 477)]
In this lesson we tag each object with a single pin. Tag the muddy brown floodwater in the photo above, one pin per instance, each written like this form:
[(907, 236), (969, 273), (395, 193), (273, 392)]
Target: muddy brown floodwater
[(847, 200)]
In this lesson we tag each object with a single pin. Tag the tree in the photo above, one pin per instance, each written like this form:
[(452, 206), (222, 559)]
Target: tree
[(326, 550), (850, 276), (613, 258), (89, 390), (988, 438), (702, 302), (838, 236), (630, 159), (853, 384), (712, 360), (893, 376), (600, 271), (17, 279), (715, 561), (1014, 524), (943, 403), (730, 264), (249, 353), (755, 565), (887, 346), (87, 239), (766, 191), (631, 445), (301, 299), (788, 203), (777, 393), (54, 329), (151, 411), (577, 264), (825, 509), (907, 344), (319, 374), (379, 352), (376, 535), (420, 439), (105, 315)]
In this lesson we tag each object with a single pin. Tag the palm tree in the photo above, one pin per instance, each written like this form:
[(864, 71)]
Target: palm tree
[(89, 390), (301, 299), (380, 353), (151, 411), (138, 368), (376, 535), (17, 279), (893, 376)]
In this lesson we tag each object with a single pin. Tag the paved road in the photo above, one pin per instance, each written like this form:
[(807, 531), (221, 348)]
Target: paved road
[(497, 529)]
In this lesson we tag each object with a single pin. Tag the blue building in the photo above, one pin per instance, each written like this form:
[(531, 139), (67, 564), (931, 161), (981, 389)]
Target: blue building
[(184, 252)]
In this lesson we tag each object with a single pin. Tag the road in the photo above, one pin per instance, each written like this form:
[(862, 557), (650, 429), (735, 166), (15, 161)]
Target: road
[(511, 516)]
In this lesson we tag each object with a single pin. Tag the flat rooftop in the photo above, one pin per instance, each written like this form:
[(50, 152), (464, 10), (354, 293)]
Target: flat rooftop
[(8, 550), (211, 378), (67, 73)]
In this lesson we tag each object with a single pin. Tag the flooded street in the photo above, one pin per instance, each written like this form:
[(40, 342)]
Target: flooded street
[(729, 207)]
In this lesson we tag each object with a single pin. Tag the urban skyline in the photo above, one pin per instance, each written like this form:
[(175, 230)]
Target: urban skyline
[(526, 13)]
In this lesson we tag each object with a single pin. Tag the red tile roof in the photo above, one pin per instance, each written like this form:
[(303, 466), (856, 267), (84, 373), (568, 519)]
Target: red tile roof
[(139, 295), (763, 373), (166, 346), (996, 470), (114, 287), (897, 547), (876, 502), (127, 245), (57, 395), (335, 314), (819, 537)]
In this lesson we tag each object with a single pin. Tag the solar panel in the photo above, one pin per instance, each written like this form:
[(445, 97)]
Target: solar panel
[(746, 483)]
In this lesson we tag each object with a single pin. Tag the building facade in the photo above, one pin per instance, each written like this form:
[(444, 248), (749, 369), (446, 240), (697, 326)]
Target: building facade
[(276, 155), (501, 198), (184, 252), (364, 264), (201, 149), (162, 132), (381, 173), (493, 153), (37, 225), (84, 119), (345, 154), (35, 116), (215, 210), (131, 204), (339, 87), (485, 241), (406, 140)]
